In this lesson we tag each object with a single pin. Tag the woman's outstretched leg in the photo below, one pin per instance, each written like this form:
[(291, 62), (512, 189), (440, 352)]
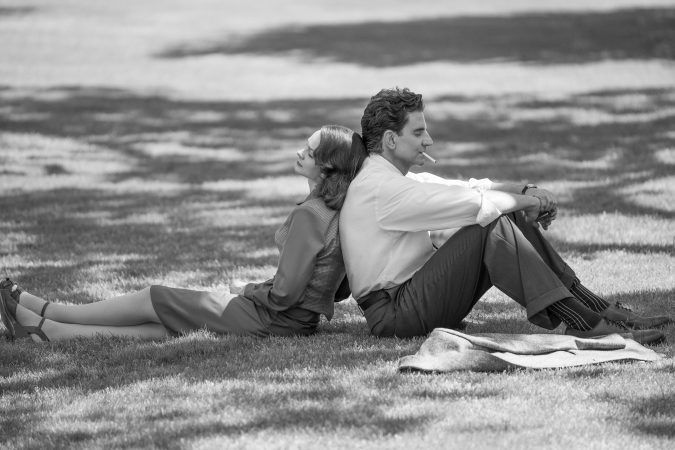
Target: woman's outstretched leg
[(126, 310), (59, 331), (32, 302)]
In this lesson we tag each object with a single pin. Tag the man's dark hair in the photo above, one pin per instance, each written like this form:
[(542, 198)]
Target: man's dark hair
[(387, 110)]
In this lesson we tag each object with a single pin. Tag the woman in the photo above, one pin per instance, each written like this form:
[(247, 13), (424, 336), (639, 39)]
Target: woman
[(309, 278)]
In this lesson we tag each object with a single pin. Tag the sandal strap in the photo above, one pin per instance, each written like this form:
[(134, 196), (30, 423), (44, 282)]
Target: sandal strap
[(38, 331), (44, 307)]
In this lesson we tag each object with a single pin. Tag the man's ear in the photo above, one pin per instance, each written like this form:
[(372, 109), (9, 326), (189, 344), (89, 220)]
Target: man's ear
[(389, 140)]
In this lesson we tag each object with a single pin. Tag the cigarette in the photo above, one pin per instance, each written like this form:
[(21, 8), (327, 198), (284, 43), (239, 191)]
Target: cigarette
[(429, 157)]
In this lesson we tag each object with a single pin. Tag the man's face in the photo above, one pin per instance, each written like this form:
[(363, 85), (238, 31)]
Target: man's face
[(409, 145)]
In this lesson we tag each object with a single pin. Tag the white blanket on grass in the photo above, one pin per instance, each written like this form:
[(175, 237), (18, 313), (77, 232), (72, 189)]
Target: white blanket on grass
[(448, 350)]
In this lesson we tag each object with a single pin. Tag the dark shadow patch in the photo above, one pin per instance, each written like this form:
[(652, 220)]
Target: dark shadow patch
[(659, 427), (588, 248), (16, 10), (502, 427), (656, 415), (668, 368), (653, 415), (54, 169), (586, 372), (455, 393), (541, 38), (361, 420)]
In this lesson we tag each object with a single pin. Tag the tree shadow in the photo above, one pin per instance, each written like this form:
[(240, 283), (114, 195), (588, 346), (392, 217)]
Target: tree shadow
[(652, 415), (16, 10), (130, 123), (586, 248), (189, 144), (96, 230), (269, 393), (539, 38), (361, 422), (612, 135)]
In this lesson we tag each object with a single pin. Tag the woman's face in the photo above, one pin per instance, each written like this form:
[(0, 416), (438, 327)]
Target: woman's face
[(305, 164)]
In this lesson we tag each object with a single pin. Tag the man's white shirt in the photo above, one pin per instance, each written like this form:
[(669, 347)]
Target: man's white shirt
[(386, 219)]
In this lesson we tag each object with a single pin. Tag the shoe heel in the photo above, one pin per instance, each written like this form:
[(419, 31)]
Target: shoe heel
[(14, 328), (24, 331)]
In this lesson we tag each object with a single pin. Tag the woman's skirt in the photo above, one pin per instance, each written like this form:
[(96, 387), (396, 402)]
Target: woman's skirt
[(184, 310)]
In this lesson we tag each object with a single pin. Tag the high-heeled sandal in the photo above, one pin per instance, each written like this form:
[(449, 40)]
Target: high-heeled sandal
[(36, 330), (12, 287), (16, 330), (8, 316), (15, 292)]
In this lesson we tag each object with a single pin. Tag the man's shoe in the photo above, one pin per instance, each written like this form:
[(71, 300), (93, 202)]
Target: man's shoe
[(605, 327), (621, 313)]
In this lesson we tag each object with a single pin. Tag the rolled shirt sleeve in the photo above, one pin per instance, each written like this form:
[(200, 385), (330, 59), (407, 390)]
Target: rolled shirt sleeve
[(419, 202), (296, 264)]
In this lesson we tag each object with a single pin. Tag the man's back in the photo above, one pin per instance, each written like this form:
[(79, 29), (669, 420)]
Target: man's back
[(377, 256)]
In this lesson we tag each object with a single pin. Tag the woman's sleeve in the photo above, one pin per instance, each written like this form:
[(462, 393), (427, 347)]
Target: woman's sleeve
[(296, 264)]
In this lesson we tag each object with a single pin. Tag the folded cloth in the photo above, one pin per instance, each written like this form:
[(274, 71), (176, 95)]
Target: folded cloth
[(448, 350)]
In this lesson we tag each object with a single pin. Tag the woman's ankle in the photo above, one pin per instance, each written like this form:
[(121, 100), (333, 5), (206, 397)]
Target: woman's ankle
[(33, 303)]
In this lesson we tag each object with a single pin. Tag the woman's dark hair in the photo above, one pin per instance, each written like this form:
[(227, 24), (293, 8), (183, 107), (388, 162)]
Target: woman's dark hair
[(339, 157), (388, 110)]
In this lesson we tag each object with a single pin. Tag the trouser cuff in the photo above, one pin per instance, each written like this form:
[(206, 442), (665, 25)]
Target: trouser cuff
[(536, 308)]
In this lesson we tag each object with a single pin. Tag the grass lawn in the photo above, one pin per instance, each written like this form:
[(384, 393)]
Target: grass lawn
[(153, 144)]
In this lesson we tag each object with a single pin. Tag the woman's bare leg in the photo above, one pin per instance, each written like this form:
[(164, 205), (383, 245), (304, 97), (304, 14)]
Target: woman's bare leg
[(59, 331), (32, 302), (126, 310)]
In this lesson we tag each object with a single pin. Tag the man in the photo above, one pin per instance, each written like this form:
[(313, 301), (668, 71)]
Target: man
[(407, 287)]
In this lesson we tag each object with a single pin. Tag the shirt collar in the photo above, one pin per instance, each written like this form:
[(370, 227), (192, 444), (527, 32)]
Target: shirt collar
[(380, 161)]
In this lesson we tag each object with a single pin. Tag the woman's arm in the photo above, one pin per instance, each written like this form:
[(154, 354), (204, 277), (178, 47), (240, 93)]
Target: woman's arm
[(296, 263)]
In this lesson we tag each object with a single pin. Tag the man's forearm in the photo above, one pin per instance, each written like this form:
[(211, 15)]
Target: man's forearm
[(508, 202), (512, 188)]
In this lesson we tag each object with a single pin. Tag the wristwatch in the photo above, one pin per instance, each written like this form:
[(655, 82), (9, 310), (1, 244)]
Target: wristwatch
[(528, 186)]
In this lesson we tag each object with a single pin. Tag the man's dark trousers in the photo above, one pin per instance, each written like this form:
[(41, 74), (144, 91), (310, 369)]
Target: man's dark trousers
[(509, 253)]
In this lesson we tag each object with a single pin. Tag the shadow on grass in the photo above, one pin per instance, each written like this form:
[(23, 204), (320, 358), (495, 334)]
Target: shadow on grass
[(273, 384), (177, 146), (591, 247), (541, 38), (361, 422), (15, 10), (652, 302), (653, 415), (96, 236)]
